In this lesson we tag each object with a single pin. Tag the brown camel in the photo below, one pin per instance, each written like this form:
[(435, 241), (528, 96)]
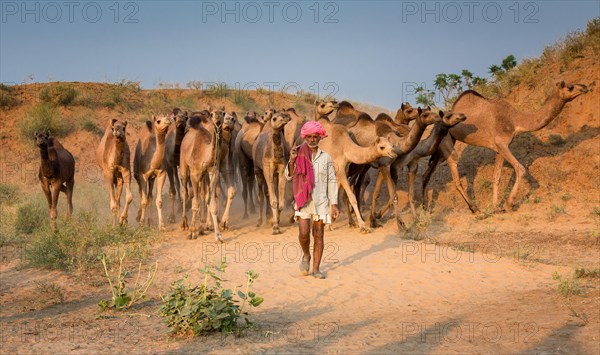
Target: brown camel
[(200, 159), (344, 151), (425, 147), (172, 154), (150, 164), (366, 130), (57, 172), (493, 124), (269, 165), (251, 128), (405, 114), (226, 164), (113, 157)]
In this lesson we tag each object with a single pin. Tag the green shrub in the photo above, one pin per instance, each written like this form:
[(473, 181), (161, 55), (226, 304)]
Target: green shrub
[(245, 102), (556, 139), (567, 286), (9, 194), (217, 90), (63, 95), (7, 97), (31, 217), (78, 242), (41, 118), (208, 307), (90, 126)]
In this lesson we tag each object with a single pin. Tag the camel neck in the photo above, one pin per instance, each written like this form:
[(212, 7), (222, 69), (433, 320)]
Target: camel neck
[(278, 145), (357, 154), (413, 137), (534, 121), (119, 150), (159, 153), (48, 161), (179, 134), (432, 142)]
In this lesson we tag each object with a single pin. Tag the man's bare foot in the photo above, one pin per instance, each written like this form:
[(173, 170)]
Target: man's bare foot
[(319, 275), (304, 266)]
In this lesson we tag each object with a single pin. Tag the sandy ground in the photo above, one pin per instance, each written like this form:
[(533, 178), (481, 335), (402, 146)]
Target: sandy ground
[(382, 294)]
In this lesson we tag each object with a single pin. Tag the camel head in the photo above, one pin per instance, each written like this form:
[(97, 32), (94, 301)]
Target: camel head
[(451, 119), (180, 117), (268, 114), (216, 117), (229, 120), (385, 148), (568, 92), (162, 122), (42, 139), (118, 128), (406, 113), (325, 107), (427, 116), (279, 120)]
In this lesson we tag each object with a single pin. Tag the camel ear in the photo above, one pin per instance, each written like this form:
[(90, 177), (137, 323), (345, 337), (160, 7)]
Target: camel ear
[(125, 123), (419, 110), (112, 122), (402, 106), (441, 113), (222, 108), (35, 134), (561, 84), (378, 140), (48, 133)]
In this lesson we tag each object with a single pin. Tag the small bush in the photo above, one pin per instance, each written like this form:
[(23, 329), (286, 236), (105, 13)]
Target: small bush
[(567, 286), (90, 126), (245, 102), (556, 211), (218, 90), (78, 242), (7, 97), (31, 217), (9, 194), (556, 139), (208, 307), (41, 118), (63, 95)]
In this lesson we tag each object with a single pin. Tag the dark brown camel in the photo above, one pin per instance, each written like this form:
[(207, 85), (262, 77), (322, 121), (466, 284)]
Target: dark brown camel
[(57, 172), (113, 156)]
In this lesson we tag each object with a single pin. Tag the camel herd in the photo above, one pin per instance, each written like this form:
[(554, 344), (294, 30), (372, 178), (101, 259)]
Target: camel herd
[(206, 154)]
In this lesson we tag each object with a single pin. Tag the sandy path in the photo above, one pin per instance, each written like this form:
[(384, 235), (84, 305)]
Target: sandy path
[(382, 294)]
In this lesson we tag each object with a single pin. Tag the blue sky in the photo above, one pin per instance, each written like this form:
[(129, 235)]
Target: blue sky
[(369, 51)]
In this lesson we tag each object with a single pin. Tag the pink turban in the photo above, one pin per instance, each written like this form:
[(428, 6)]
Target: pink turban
[(312, 127)]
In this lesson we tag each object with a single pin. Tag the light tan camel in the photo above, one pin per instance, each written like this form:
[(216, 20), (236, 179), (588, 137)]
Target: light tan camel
[(57, 172), (172, 153), (113, 157), (425, 147), (405, 114), (251, 128), (199, 159), (344, 151), (324, 108), (366, 130), (493, 124), (150, 165), (269, 165)]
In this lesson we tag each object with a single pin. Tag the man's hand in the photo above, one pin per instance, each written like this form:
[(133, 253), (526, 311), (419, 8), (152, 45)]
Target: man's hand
[(293, 154), (335, 212)]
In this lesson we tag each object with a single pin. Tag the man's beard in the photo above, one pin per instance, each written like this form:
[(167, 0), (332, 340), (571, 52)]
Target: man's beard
[(312, 144)]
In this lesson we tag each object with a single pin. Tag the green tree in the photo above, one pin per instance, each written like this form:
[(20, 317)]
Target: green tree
[(425, 97)]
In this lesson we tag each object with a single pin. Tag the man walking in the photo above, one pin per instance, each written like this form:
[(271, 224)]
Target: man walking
[(315, 188)]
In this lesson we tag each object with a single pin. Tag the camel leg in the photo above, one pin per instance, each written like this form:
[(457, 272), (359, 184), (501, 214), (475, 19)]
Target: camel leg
[(143, 201), (212, 205), (128, 196), (496, 181), (70, 184), (149, 199), (172, 193), (184, 197), (453, 165), (268, 173), (252, 182), (281, 183), (160, 182), (520, 172), (376, 191), (341, 176), (53, 208), (195, 206), (48, 194), (108, 181), (230, 195), (261, 197), (412, 171), (398, 211), (435, 159)]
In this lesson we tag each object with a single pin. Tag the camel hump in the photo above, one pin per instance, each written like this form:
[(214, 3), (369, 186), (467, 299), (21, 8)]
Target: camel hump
[(291, 109), (345, 104), (384, 117), (469, 93)]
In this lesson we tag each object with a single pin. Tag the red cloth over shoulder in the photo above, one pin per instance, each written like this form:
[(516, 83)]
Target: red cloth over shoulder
[(303, 180)]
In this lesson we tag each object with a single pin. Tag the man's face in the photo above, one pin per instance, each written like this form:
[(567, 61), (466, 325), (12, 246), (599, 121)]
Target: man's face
[(313, 140)]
